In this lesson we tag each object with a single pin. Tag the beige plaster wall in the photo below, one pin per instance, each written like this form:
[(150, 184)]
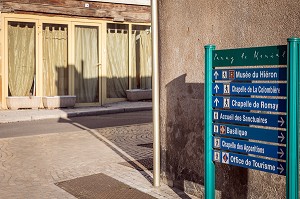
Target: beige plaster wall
[(0, 72), (185, 26)]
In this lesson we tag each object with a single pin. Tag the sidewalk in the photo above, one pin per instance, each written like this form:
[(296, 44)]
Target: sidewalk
[(8, 116), (109, 163)]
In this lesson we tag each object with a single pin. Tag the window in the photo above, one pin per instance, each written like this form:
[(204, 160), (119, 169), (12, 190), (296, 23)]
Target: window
[(55, 56), (55, 59), (86, 64), (141, 57), (128, 59), (117, 60), (21, 59)]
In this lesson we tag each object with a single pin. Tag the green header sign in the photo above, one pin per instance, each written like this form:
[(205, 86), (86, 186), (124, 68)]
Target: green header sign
[(267, 55)]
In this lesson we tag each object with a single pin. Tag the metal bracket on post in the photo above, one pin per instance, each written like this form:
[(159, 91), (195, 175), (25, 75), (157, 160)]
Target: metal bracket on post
[(292, 115), (209, 178)]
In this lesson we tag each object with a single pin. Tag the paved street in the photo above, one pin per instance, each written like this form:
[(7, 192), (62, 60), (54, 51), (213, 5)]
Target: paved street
[(36, 155), (72, 124)]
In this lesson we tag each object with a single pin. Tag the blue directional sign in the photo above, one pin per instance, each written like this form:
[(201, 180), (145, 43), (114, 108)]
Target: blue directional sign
[(250, 162), (235, 117), (244, 103), (250, 74), (241, 146), (265, 89), (245, 132), (249, 111)]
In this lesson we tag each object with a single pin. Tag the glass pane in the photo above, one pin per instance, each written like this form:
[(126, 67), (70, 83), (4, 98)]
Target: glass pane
[(141, 69), (117, 60), (21, 59), (55, 59), (86, 64)]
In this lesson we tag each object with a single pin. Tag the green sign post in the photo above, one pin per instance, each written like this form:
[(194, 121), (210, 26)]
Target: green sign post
[(223, 121), (209, 179), (292, 183)]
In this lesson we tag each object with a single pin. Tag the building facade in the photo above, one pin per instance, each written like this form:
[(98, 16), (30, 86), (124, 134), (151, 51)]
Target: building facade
[(95, 50), (185, 27)]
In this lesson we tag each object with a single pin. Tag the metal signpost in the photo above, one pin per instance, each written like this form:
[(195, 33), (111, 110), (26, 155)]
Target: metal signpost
[(243, 103)]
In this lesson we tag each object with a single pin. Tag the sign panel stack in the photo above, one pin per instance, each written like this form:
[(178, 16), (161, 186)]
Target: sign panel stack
[(251, 103), (246, 101)]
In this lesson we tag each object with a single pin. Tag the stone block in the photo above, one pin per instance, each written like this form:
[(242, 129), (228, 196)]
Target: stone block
[(59, 101), (19, 102), (139, 94)]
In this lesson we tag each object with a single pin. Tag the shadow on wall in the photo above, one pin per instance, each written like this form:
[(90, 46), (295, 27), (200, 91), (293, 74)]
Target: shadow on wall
[(183, 157), (87, 83)]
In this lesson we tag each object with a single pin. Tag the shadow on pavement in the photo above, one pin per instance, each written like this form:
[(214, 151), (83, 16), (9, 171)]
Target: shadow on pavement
[(124, 146), (111, 120), (63, 125), (134, 145)]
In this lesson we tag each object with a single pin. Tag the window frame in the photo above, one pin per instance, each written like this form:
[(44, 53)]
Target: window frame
[(70, 22)]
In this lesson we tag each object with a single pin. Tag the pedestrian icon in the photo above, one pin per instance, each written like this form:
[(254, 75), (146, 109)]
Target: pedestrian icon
[(224, 74), (216, 116), (226, 102), (217, 143), (216, 128), (216, 156), (226, 89)]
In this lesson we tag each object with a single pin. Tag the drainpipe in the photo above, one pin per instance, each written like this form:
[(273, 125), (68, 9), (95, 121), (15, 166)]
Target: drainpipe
[(155, 94)]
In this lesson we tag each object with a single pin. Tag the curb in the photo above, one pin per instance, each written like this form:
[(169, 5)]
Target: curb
[(76, 114), (111, 111)]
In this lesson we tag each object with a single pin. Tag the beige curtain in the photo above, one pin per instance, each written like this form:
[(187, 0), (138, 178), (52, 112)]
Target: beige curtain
[(117, 63), (21, 58), (86, 64), (55, 56), (141, 59), (146, 60), (134, 57)]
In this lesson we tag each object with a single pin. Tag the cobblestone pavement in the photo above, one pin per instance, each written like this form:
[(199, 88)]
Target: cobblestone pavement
[(30, 165)]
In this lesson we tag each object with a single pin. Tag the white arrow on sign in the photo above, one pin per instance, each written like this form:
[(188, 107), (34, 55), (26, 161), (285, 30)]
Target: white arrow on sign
[(216, 74), (216, 88), (281, 136), (281, 169), (281, 153), (281, 121), (216, 101)]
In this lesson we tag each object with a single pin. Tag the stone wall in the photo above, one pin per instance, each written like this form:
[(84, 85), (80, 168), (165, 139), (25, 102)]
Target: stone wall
[(77, 8), (185, 26)]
